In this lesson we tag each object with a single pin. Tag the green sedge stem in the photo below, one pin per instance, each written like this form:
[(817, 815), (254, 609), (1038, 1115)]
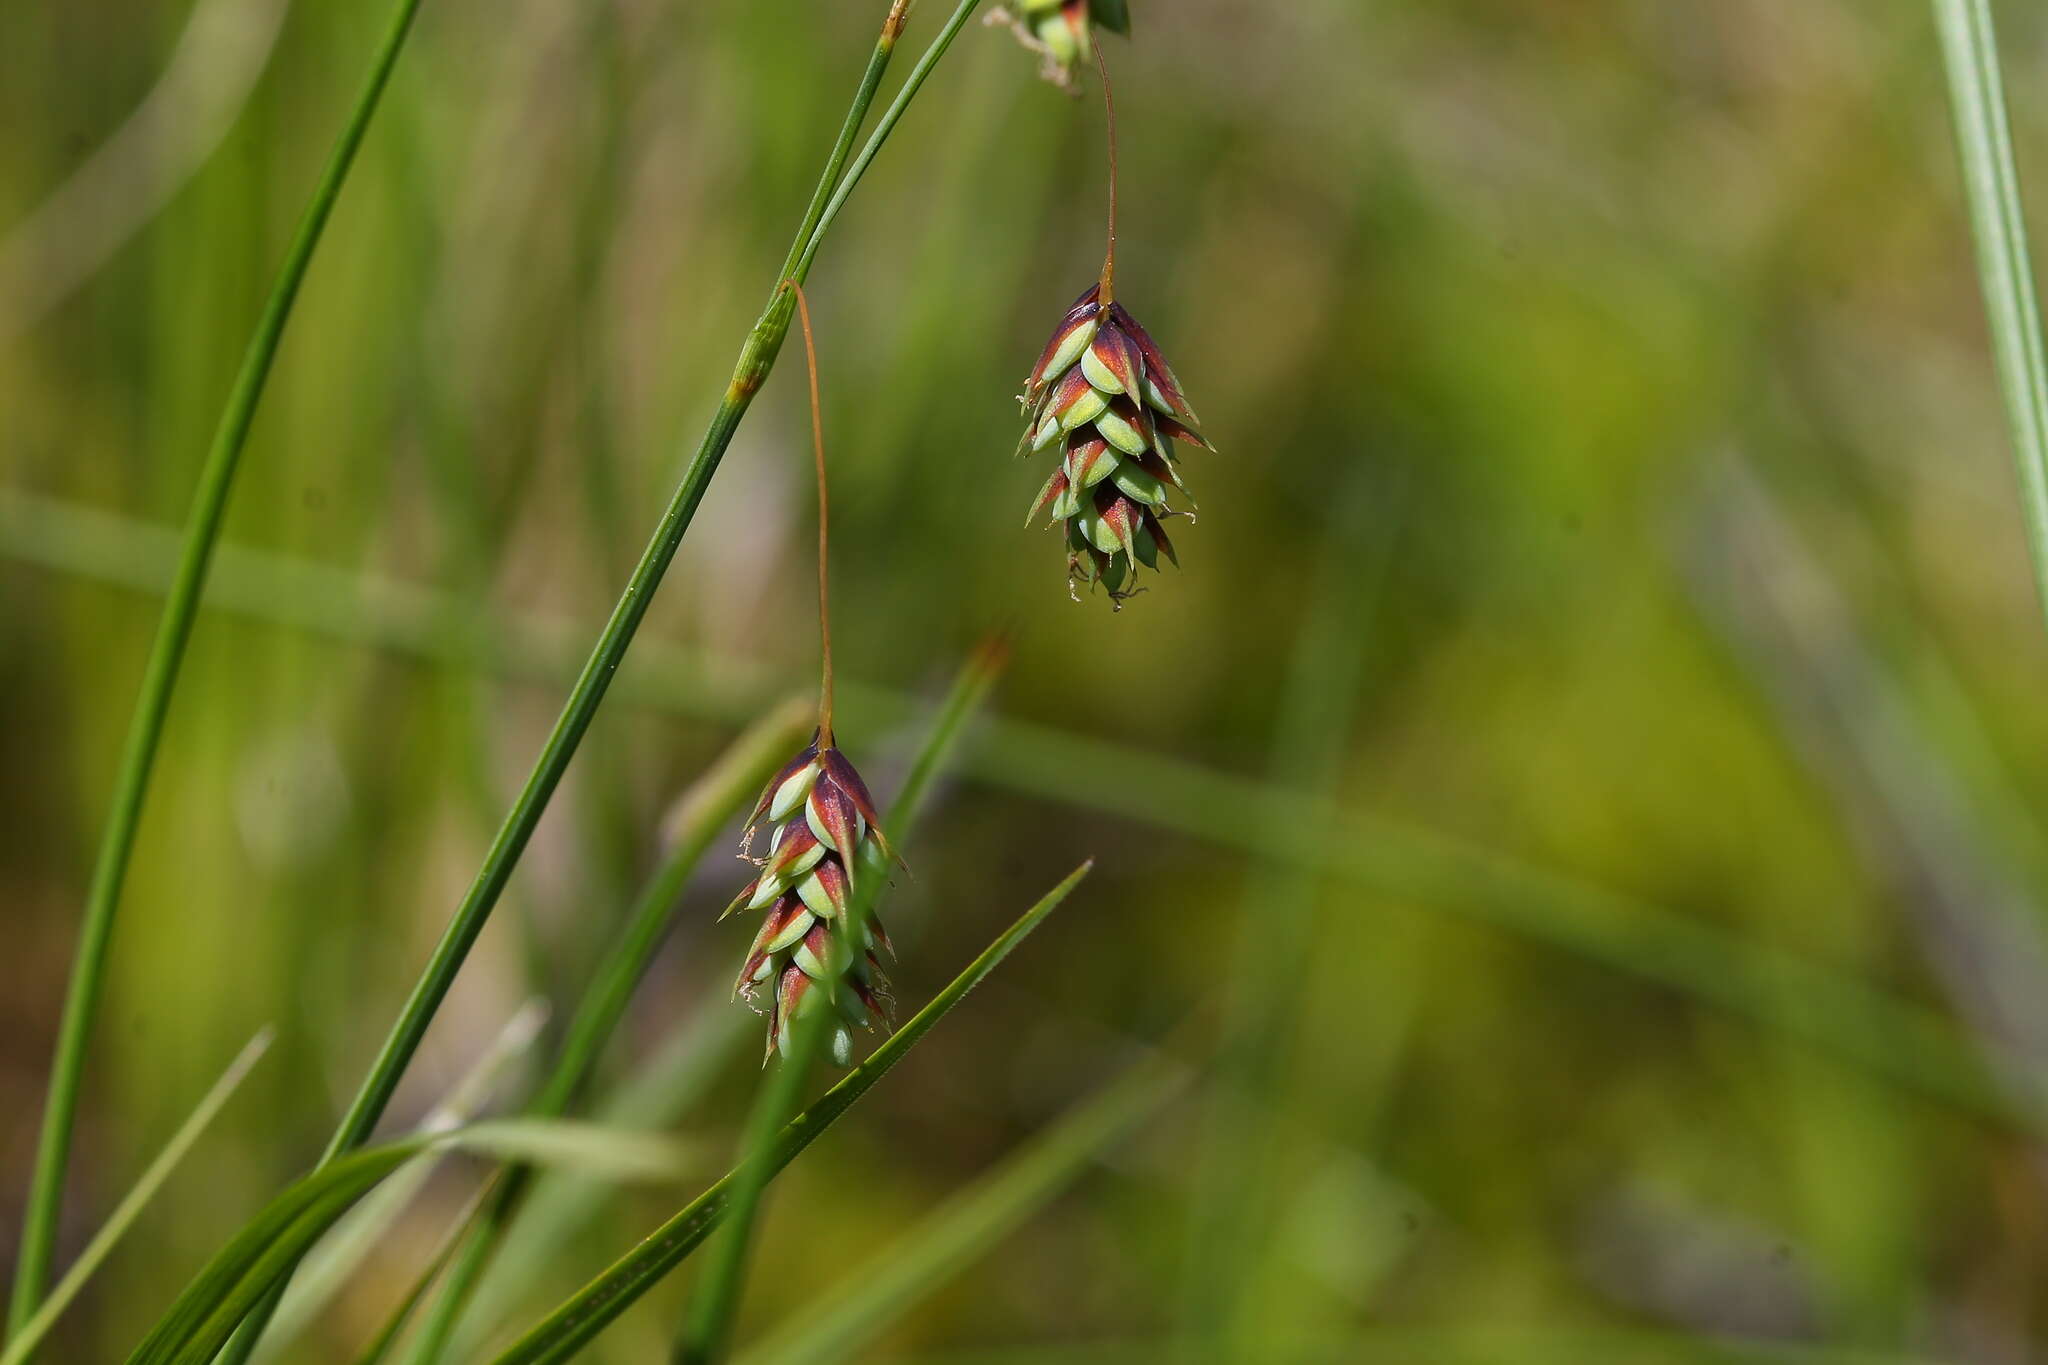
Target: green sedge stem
[(160, 678), (1969, 46), (756, 360), (800, 265)]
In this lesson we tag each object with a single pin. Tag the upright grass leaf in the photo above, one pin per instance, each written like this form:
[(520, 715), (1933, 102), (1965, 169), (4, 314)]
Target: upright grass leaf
[(203, 1317), (160, 677), (840, 1325), (757, 358), (1873, 1030), (130, 1208), (1969, 49), (598, 1303)]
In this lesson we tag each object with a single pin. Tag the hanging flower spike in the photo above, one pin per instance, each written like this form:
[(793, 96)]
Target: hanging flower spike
[(1062, 33), (1104, 398), (823, 820)]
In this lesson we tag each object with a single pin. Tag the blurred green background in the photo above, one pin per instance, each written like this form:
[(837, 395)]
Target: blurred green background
[(1575, 812)]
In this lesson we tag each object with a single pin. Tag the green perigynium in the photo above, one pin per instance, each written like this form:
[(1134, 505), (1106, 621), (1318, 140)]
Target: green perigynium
[(824, 822), (1105, 398)]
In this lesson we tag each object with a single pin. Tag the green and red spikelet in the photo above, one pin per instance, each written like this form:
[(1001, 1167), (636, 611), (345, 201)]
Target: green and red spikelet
[(1104, 397), (824, 822), (1063, 32)]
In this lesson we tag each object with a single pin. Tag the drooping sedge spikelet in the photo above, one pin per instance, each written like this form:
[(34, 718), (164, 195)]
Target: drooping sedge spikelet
[(1104, 397), (1063, 32), (824, 820)]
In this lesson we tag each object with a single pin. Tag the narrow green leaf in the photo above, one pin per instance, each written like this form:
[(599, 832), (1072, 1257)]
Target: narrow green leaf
[(159, 680), (1969, 47), (129, 1209), (595, 1306), (244, 1271), (840, 1325)]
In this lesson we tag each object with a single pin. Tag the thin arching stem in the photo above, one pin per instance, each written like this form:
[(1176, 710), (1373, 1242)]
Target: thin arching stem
[(803, 310), (1109, 117)]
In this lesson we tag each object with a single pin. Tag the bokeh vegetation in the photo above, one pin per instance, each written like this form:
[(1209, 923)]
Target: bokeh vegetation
[(1572, 821)]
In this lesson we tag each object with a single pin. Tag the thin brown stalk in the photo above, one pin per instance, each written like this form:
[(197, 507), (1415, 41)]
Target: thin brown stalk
[(803, 309), (1109, 118)]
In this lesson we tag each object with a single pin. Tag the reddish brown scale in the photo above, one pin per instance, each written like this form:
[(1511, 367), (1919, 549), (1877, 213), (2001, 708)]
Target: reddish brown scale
[(1170, 427), (1120, 356), (1158, 530), (789, 770), (1054, 491), (1071, 389), (779, 917), (1155, 363), (1158, 466), (796, 844), (834, 880), (1139, 415), (1076, 317), (1083, 456), (819, 943), (1120, 515), (847, 780), (833, 812), (871, 1000), (739, 902)]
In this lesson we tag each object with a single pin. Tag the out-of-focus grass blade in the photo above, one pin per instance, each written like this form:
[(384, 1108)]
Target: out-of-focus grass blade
[(379, 1347), (206, 1314), (592, 1308), (129, 1209), (563, 1202), (160, 680), (1851, 1021), (968, 1224), (338, 1256), (1485, 1345), (1228, 1297), (1969, 49)]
